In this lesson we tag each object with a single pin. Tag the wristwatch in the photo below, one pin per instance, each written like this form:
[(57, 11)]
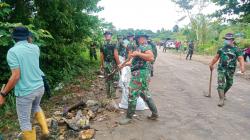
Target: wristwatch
[(2, 94)]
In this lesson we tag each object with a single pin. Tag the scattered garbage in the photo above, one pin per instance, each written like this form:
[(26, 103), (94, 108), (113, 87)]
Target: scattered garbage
[(91, 103), (60, 86), (73, 121), (87, 134), (112, 106), (101, 76), (79, 122)]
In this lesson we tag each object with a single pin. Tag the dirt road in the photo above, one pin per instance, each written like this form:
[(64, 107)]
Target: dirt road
[(185, 114)]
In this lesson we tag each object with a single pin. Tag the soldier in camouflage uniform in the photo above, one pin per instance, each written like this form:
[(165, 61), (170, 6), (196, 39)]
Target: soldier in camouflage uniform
[(132, 44), (109, 61), (140, 79), (228, 56), (151, 64), (92, 52), (190, 50)]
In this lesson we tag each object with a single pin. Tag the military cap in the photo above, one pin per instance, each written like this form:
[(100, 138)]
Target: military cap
[(107, 33), (229, 36)]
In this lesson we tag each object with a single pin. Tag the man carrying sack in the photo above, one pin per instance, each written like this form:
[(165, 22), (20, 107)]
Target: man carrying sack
[(140, 79)]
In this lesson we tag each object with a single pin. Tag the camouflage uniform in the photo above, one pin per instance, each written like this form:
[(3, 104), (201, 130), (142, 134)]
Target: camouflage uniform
[(226, 68), (139, 84), (92, 53), (132, 46), (122, 51), (190, 50), (151, 64), (109, 66)]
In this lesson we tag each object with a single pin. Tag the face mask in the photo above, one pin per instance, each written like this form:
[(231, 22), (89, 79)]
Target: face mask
[(227, 42)]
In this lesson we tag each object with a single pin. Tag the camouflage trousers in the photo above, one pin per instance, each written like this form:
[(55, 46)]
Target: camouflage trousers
[(110, 83), (151, 68), (139, 87), (225, 80)]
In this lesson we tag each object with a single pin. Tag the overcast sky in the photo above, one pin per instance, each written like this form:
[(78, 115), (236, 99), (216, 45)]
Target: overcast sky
[(143, 14)]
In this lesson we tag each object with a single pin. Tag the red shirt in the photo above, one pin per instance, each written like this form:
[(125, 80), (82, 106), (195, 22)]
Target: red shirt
[(247, 51)]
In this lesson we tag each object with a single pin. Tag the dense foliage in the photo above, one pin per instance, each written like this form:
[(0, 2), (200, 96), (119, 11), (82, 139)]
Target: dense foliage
[(241, 8), (62, 29)]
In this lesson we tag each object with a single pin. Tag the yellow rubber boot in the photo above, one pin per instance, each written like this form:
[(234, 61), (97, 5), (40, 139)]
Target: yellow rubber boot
[(40, 117), (29, 135)]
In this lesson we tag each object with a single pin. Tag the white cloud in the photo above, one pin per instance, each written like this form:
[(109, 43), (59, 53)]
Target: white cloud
[(142, 14)]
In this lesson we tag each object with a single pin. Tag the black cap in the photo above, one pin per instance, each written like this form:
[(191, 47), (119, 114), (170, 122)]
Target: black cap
[(21, 33), (107, 33), (229, 36), (130, 35)]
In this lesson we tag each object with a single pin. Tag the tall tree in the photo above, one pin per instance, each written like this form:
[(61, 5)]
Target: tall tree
[(187, 7), (234, 7)]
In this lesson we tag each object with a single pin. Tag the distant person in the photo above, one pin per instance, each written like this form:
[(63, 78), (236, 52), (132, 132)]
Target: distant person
[(177, 45), (165, 47), (190, 50), (92, 52), (23, 60), (247, 53), (227, 56)]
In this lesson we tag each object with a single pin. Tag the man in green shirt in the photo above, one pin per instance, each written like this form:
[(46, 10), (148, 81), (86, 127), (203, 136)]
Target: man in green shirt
[(23, 60), (140, 79), (227, 56), (109, 61)]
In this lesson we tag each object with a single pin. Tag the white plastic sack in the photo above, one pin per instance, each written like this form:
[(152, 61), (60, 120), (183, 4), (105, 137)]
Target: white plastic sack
[(248, 59)]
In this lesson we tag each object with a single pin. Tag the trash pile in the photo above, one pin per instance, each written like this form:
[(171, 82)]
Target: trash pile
[(74, 121)]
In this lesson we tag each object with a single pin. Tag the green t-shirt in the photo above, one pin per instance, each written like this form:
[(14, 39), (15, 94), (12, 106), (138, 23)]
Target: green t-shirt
[(25, 56), (228, 57), (139, 63)]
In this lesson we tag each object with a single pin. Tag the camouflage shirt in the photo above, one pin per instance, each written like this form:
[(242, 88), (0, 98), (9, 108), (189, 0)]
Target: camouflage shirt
[(132, 46), (108, 51), (154, 50), (122, 51), (228, 57), (139, 63)]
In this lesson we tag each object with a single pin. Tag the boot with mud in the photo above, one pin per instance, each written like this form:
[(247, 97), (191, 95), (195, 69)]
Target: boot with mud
[(222, 98), (125, 121), (153, 117), (130, 113), (153, 109)]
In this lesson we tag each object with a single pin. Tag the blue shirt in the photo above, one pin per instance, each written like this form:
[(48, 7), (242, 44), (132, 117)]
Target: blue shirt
[(25, 56)]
